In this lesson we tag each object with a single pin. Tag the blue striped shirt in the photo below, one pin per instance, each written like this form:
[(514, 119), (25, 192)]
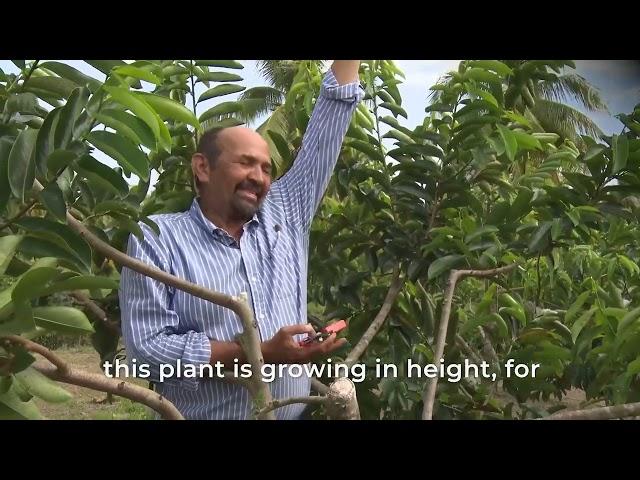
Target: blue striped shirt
[(163, 325)]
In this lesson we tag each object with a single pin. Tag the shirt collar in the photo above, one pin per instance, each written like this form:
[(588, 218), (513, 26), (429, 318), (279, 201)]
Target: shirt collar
[(196, 214)]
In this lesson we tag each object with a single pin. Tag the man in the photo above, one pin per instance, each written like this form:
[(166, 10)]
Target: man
[(242, 234)]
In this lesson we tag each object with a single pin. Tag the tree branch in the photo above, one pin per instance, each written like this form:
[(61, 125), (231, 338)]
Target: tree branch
[(94, 309), (392, 293), (317, 400), (464, 346), (319, 387), (19, 215), (430, 390), (62, 372), (599, 413), (487, 347)]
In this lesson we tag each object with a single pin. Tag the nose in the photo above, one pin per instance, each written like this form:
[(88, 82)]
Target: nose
[(257, 175)]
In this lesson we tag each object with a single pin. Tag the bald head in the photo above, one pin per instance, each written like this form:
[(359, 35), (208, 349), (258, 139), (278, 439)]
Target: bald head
[(231, 139)]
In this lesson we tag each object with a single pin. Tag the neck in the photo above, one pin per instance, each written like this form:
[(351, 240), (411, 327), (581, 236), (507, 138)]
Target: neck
[(232, 226)]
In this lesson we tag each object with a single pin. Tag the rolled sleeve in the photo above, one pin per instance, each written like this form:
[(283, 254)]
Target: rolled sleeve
[(331, 89)]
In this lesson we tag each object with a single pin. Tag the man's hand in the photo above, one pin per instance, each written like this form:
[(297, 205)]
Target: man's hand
[(283, 347), (346, 71)]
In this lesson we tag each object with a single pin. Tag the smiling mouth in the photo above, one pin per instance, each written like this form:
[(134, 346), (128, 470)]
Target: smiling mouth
[(249, 195)]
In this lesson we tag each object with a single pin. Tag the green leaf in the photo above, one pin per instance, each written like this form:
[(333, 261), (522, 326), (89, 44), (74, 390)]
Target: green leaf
[(495, 65), (21, 102), (12, 408), (142, 110), (526, 141), (224, 108), (20, 165), (105, 66), (128, 125), (100, 173), (121, 150), (8, 246), (60, 159), (44, 142), (32, 283), (620, 146), (481, 75), (81, 282), (365, 148), (68, 116), (580, 323), (516, 117), (540, 239), (62, 319), (510, 142), (139, 73), (72, 74), (634, 367), (626, 262), (55, 86), (398, 135), (522, 203), (220, 77), (37, 246), (443, 264), (40, 386), (53, 200), (127, 224), (627, 320), (220, 63), (478, 232), (486, 96), (220, 90), (5, 189), (281, 145), (59, 234), (169, 109), (395, 109), (575, 307)]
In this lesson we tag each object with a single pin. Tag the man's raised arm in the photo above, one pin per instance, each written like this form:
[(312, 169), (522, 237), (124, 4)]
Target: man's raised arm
[(346, 71), (301, 188)]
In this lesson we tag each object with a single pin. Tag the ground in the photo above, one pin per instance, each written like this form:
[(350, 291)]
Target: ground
[(88, 404)]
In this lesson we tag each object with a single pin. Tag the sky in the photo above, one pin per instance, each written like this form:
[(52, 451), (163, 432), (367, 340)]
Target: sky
[(618, 82)]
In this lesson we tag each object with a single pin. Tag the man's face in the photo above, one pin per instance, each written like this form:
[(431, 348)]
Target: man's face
[(241, 177)]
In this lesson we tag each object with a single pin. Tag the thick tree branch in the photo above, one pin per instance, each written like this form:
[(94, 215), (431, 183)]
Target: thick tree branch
[(430, 390), (599, 413), (342, 402), (60, 371), (392, 293)]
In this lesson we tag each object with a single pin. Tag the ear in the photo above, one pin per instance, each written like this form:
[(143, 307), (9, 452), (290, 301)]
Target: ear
[(200, 167)]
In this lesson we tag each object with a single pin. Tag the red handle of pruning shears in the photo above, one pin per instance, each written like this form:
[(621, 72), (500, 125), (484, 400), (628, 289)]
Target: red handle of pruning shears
[(324, 333)]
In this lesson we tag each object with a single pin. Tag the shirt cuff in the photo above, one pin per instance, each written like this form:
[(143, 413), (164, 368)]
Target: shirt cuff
[(196, 353), (333, 90)]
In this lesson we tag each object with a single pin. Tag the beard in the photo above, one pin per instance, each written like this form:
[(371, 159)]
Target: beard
[(244, 207)]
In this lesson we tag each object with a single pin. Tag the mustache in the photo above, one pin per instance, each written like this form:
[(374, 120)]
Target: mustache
[(252, 186)]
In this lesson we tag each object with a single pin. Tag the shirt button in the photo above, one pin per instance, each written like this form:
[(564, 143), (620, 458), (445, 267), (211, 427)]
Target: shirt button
[(262, 316), (254, 279)]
